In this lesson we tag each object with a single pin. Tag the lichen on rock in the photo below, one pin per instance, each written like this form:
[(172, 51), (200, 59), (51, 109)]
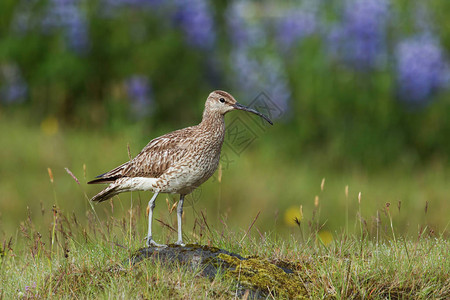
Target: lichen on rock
[(253, 273), (259, 274)]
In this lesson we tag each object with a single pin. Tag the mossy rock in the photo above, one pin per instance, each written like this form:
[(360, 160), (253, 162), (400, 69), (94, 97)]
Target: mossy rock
[(260, 274), (253, 273), (195, 256)]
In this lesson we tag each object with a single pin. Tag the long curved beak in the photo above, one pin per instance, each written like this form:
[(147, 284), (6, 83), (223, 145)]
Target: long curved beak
[(245, 108)]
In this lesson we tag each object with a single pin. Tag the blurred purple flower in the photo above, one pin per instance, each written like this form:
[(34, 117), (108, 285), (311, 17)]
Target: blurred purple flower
[(196, 20), (254, 73), (423, 19), (360, 38), (295, 26), (140, 92), (242, 31), (193, 17), (13, 87), (421, 67), (253, 76), (21, 21), (66, 15), (244, 68), (111, 5)]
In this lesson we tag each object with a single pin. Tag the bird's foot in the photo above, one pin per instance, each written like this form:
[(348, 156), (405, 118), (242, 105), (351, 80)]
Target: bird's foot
[(180, 243), (151, 242)]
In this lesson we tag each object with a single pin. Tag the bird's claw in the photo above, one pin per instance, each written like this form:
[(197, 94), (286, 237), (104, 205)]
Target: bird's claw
[(180, 243), (151, 242)]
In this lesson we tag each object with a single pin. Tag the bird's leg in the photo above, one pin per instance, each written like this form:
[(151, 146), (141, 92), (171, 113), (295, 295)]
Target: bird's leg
[(179, 215), (151, 206)]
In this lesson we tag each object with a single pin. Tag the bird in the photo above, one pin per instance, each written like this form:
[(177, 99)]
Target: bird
[(177, 162)]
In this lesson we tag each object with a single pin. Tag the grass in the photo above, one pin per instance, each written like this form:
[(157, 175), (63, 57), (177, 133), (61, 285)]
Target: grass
[(356, 235), (259, 180), (82, 258)]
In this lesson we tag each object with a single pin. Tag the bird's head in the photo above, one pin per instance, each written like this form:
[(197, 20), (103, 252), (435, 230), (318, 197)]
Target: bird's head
[(222, 102)]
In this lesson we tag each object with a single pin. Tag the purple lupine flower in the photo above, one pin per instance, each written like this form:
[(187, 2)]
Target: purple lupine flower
[(25, 16), (13, 87), (113, 8), (66, 15), (423, 19), (242, 31), (255, 73), (236, 23), (140, 92), (113, 5), (360, 38), (244, 68), (21, 21), (421, 68), (196, 21), (193, 17), (77, 33), (295, 26), (276, 83)]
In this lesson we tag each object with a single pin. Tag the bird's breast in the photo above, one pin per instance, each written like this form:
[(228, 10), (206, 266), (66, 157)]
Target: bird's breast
[(196, 166)]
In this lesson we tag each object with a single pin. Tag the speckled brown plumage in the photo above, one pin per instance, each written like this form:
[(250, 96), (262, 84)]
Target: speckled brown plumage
[(177, 162)]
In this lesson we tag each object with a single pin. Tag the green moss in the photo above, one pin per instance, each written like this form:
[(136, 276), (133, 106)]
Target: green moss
[(191, 247), (260, 274)]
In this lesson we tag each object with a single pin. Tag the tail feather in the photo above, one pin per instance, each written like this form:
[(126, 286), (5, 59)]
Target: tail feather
[(110, 176), (107, 193), (103, 180)]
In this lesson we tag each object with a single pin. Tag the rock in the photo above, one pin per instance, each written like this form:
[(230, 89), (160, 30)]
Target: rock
[(194, 255), (256, 274)]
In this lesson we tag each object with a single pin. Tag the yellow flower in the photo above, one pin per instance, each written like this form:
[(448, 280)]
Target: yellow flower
[(291, 214), (325, 236), (49, 126)]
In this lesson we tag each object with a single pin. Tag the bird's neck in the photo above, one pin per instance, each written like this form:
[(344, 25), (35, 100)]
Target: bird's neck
[(213, 121)]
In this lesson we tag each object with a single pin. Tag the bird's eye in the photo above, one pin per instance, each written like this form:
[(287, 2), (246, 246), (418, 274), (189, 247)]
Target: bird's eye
[(222, 100)]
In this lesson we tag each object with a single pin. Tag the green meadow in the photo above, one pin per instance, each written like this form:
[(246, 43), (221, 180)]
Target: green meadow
[(358, 235), (257, 182)]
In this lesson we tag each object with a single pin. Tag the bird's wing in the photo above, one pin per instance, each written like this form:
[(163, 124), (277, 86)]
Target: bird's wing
[(159, 154)]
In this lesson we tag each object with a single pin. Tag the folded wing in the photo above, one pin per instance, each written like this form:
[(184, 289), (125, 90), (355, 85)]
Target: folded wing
[(154, 159)]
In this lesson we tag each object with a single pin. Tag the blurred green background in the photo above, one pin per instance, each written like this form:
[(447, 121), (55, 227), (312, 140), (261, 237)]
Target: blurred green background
[(358, 90)]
